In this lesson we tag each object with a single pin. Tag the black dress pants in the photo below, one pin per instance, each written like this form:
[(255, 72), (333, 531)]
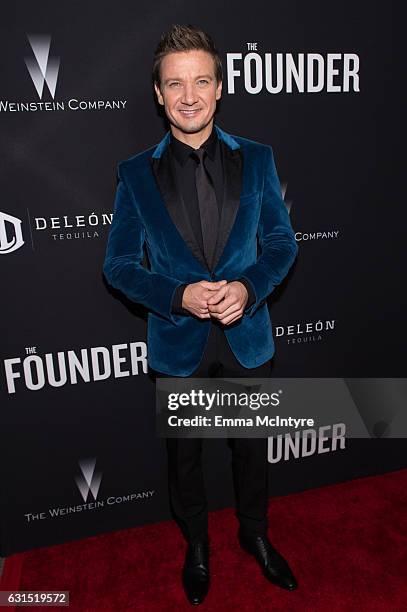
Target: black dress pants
[(249, 455)]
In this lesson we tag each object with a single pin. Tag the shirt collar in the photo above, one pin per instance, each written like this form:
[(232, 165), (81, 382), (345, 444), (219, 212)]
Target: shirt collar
[(182, 151)]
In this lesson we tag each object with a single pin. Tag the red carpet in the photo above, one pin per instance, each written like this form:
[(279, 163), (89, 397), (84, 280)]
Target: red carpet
[(346, 543)]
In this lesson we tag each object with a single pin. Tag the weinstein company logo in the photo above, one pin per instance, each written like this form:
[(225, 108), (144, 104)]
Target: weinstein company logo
[(88, 482), (302, 333), (320, 235), (43, 68), (307, 236)]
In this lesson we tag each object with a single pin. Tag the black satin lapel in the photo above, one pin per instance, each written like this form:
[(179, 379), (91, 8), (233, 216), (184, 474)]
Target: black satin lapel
[(232, 185), (174, 203)]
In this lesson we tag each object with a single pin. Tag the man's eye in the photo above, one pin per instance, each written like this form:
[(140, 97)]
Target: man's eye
[(174, 84), (203, 81)]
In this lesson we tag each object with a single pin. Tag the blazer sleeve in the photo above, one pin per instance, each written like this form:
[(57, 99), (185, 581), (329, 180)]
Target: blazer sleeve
[(123, 267), (276, 238)]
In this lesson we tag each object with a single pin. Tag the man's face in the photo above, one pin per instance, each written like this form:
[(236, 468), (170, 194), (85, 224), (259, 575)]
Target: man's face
[(188, 89)]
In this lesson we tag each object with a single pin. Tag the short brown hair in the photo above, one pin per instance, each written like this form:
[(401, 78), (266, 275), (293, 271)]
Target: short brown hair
[(185, 38)]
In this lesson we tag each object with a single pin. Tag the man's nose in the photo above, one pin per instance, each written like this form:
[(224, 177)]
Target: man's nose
[(189, 95)]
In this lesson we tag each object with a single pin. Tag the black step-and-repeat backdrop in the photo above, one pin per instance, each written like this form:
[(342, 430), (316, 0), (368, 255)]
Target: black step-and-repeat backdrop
[(79, 453)]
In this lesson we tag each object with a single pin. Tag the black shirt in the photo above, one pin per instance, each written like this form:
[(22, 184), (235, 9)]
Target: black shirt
[(183, 166)]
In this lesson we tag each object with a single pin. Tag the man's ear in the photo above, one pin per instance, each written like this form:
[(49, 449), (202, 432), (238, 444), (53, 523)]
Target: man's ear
[(219, 90), (159, 95)]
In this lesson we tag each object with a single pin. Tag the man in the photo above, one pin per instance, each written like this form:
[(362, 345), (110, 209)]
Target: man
[(199, 201)]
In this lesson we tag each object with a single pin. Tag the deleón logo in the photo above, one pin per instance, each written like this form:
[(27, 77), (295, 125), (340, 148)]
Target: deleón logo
[(89, 480), (68, 227), (42, 67), (13, 241), (301, 333)]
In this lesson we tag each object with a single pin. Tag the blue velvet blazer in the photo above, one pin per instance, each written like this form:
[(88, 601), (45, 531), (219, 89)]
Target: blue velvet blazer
[(147, 211)]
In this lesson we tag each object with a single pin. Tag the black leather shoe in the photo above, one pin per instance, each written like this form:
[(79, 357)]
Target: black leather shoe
[(195, 574), (272, 563)]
